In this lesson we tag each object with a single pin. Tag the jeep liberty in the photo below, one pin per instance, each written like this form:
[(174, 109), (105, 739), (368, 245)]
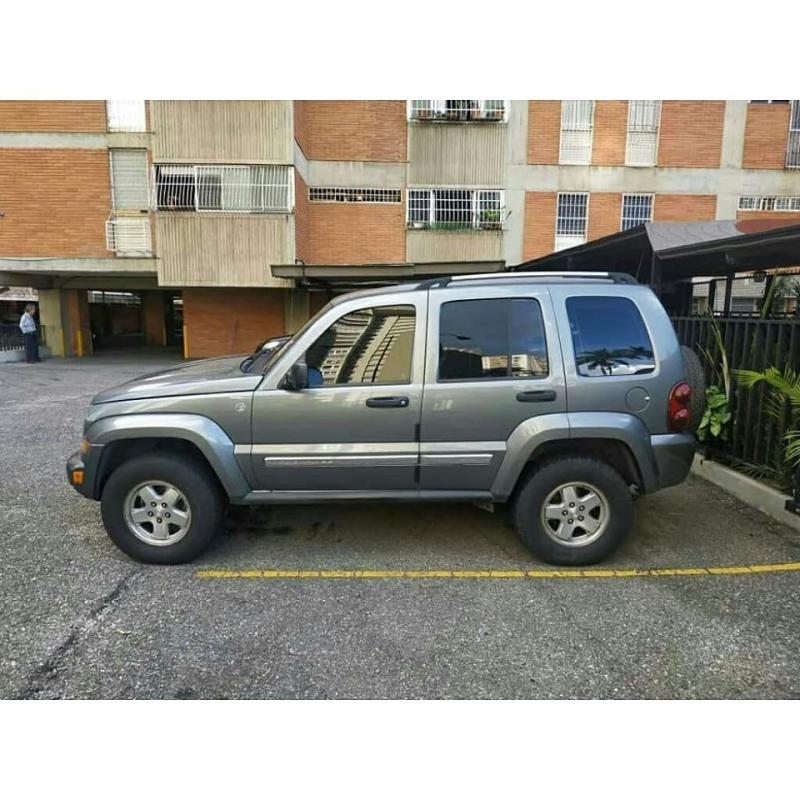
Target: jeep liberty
[(564, 395)]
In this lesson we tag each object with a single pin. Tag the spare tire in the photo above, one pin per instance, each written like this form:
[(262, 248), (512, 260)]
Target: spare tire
[(696, 378)]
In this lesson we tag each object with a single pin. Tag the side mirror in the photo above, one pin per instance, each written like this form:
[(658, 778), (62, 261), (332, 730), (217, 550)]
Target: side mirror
[(296, 378)]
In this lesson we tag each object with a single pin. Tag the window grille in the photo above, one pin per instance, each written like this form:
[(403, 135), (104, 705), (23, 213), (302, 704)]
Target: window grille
[(642, 140), (126, 116), (337, 195), (571, 214), (455, 208), (636, 210), (793, 146), (577, 124), (756, 203), (130, 186), (247, 188), (457, 110), (129, 236)]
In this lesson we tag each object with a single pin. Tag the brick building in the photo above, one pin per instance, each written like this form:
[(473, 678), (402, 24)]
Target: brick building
[(138, 221)]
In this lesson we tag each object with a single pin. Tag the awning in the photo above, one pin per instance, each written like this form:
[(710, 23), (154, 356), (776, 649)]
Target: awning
[(343, 277), (681, 250)]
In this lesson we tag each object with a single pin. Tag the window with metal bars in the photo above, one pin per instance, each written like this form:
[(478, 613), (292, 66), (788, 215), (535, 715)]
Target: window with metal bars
[(641, 144), (577, 125), (793, 145), (636, 210), (339, 195), (126, 116), (571, 215), (757, 203), (240, 188), (454, 209), (457, 110)]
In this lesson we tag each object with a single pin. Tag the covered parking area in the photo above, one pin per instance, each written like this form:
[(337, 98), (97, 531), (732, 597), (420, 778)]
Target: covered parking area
[(670, 256), (97, 304), (698, 269)]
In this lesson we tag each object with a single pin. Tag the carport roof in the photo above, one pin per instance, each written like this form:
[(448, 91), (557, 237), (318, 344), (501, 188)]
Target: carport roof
[(346, 276), (684, 249)]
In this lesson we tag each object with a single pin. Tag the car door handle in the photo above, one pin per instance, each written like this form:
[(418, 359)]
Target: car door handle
[(387, 402), (537, 396)]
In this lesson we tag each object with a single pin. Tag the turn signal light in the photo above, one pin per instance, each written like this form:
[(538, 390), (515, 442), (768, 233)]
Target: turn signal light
[(77, 477), (679, 417)]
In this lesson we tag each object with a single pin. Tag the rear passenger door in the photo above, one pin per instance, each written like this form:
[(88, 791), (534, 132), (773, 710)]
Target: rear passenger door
[(494, 361)]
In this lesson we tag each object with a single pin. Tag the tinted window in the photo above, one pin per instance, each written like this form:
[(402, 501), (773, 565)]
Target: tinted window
[(609, 337), (372, 345), (486, 339)]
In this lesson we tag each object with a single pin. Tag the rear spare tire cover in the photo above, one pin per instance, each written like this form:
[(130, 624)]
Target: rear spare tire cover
[(695, 377)]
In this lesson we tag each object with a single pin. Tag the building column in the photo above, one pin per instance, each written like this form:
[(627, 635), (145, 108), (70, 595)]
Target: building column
[(297, 309), (153, 312), (65, 315)]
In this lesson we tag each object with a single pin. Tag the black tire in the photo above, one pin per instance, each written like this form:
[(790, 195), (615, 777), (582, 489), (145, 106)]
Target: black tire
[(201, 492), (695, 377), (544, 480)]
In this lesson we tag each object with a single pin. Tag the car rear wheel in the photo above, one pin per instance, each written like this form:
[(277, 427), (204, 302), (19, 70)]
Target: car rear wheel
[(162, 509), (573, 510)]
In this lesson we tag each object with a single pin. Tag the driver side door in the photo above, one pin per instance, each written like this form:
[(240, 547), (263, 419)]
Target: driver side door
[(354, 429)]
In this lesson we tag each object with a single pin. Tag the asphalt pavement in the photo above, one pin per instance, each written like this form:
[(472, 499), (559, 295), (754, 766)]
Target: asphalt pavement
[(294, 613)]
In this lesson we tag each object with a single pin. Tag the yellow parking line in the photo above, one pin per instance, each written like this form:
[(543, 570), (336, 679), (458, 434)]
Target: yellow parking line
[(491, 574)]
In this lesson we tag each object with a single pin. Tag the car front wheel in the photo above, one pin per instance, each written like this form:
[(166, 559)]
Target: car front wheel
[(162, 509)]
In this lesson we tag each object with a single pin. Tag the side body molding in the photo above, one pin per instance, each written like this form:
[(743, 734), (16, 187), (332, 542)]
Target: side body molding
[(534, 432), (209, 438)]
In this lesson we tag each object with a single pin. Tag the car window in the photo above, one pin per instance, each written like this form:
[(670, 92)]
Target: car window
[(609, 337), (492, 339), (371, 345)]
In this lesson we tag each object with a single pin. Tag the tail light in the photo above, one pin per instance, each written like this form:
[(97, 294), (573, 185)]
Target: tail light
[(679, 417)]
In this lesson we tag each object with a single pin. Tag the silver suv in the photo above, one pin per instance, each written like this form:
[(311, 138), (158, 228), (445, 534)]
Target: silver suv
[(564, 395)]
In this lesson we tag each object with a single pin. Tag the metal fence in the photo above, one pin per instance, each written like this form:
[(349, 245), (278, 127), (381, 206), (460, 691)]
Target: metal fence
[(755, 438), (11, 337), (457, 110)]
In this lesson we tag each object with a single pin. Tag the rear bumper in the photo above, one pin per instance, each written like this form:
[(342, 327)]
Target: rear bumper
[(673, 453), (82, 471)]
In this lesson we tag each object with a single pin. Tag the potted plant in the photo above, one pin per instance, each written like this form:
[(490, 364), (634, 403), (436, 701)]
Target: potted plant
[(491, 219)]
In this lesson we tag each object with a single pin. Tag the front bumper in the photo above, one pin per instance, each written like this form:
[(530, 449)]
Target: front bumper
[(82, 471), (673, 453)]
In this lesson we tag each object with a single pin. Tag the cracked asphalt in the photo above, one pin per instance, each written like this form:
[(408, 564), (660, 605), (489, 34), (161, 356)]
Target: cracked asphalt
[(80, 620)]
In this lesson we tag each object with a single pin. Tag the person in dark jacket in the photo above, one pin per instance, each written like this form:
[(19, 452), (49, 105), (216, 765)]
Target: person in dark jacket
[(27, 324)]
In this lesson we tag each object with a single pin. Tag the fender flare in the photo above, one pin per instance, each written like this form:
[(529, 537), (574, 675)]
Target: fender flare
[(209, 438), (531, 434)]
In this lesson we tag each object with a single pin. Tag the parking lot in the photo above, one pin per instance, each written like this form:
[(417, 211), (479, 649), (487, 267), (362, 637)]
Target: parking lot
[(372, 601)]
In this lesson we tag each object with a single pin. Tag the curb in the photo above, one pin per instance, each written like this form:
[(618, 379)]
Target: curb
[(766, 499)]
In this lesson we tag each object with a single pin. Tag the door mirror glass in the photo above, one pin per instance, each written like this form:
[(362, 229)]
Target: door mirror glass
[(296, 378)]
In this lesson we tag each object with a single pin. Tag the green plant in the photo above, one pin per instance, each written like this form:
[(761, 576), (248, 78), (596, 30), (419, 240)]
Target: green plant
[(783, 387), (719, 363), (714, 424)]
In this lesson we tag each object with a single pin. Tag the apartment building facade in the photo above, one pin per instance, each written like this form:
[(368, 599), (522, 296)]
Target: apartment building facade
[(223, 209)]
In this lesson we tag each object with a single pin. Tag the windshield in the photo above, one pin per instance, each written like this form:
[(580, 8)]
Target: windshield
[(259, 361)]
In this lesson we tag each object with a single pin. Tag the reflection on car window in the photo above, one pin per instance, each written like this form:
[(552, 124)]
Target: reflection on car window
[(372, 345), (609, 337), (491, 339)]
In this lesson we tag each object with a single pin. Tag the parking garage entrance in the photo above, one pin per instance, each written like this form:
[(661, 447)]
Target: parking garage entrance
[(120, 320)]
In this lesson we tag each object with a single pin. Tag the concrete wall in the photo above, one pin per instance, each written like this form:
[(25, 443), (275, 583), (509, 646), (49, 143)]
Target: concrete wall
[(219, 249), (222, 131)]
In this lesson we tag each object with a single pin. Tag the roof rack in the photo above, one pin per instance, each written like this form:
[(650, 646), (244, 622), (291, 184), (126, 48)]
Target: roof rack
[(614, 277)]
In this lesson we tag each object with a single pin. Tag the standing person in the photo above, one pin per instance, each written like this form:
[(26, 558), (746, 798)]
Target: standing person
[(27, 325)]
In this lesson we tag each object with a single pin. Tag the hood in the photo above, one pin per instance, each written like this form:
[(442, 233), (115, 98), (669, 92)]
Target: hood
[(209, 376)]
